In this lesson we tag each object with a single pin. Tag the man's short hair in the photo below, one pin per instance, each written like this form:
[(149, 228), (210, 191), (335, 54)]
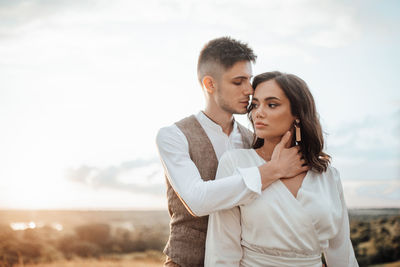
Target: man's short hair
[(222, 52)]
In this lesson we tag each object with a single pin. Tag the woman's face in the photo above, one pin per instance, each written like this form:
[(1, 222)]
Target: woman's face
[(271, 113)]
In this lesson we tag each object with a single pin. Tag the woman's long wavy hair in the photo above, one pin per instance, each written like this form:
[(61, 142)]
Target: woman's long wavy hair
[(302, 106)]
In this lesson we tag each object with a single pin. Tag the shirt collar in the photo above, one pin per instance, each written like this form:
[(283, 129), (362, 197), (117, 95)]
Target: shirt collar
[(207, 122)]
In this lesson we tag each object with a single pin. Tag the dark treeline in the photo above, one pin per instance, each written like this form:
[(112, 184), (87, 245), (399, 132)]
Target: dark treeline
[(377, 240)]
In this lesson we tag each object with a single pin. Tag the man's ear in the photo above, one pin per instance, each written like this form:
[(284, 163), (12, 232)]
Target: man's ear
[(209, 84)]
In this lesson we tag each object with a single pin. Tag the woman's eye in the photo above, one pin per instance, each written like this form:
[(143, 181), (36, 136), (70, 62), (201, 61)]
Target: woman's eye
[(272, 105), (253, 105)]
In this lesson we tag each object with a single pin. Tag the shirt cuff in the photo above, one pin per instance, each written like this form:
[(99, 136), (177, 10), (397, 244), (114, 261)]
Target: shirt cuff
[(252, 178)]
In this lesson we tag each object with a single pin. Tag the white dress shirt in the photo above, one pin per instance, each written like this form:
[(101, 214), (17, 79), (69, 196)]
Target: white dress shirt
[(279, 229), (205, 197)]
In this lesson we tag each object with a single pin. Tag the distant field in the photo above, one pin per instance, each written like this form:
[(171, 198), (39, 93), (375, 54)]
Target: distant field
[(72, 218), (136, 259), (393, 264), (99, 263), (132, 263)]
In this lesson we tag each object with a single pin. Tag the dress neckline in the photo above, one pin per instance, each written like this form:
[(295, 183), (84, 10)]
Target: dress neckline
[(282, 184)]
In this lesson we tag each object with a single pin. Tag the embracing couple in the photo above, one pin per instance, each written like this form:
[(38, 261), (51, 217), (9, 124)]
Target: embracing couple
[(272, 197)]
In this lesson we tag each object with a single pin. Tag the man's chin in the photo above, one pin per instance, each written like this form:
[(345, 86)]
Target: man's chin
[(236, 110), (241, 111)]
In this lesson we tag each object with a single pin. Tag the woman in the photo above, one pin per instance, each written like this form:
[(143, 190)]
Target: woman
[(294, 220)]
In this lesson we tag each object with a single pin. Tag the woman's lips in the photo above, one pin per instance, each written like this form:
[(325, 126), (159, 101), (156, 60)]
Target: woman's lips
[(260, 125)]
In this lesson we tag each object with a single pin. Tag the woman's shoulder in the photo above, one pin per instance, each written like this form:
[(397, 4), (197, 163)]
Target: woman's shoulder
[(331, 176), (332, 172)]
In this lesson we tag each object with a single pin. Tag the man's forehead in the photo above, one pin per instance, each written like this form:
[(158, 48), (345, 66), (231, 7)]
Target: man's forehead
[(240, 69)]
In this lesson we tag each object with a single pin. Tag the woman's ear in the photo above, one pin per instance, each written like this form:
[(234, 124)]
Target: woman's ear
[(209, 84)]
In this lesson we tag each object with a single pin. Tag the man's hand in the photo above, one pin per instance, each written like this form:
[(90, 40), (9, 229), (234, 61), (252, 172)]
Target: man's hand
[(285, 163)]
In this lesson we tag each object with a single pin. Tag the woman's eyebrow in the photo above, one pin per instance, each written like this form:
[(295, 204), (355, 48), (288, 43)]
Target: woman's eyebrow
[(271, 98), (267, 98)]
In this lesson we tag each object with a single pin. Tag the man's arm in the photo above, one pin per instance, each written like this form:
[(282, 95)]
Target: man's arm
[(204, 197), (199, 196)]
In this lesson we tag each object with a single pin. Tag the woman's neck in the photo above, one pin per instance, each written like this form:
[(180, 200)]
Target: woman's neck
[(266, 150)]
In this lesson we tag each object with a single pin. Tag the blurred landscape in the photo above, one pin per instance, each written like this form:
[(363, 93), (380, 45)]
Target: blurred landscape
[(136, 238)]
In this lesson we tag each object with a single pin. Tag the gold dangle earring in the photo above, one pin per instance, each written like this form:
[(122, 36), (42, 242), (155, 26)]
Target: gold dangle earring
[(298, 133)]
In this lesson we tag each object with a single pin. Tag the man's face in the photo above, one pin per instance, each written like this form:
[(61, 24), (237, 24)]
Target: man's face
[(233, 88)]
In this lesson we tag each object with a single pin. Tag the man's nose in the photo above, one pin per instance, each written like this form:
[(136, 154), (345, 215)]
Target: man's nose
[(248, 89)]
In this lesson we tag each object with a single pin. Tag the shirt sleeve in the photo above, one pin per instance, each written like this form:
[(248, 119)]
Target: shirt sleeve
[(223, 243), (340, 252), (199, 196)]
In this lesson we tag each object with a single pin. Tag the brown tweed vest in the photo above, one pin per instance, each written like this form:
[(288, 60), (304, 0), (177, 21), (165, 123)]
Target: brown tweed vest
[(186, 244)]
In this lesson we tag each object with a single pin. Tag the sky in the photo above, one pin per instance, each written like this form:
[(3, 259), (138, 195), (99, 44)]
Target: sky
[(85, 86)]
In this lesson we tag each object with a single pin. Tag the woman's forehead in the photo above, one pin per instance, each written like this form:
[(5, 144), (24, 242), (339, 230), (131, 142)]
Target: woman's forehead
[(268, 89)]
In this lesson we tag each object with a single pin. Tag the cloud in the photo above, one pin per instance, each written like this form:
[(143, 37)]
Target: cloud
[(96, 61), (340, 32), (387, 190), (86, 34), (369, 148), (328, 24), (21, 16), (137, 176), (374, 134), (372, 193)]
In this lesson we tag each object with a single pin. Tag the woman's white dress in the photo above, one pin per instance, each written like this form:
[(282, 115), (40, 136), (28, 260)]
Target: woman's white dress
[(279, 229)]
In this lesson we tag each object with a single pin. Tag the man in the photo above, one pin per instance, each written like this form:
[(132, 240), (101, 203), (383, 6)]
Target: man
[(190, 149)]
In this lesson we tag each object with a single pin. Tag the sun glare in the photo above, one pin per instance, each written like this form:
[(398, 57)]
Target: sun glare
[(20, 226)]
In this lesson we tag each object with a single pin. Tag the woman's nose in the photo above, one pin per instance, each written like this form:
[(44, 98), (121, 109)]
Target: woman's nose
[(259, 113)]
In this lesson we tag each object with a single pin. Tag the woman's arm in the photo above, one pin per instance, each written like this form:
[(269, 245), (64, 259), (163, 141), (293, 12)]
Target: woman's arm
[(223, 246), (340, 252)]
